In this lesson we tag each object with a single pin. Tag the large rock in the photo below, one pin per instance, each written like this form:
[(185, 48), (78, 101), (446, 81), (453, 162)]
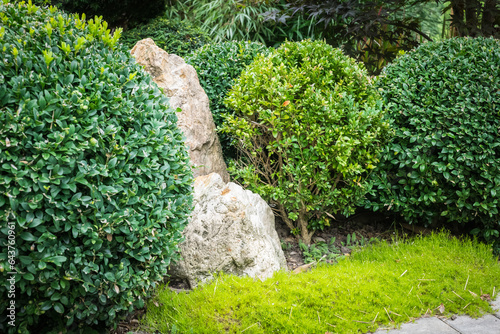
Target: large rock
[(231, 230), (181, 84)]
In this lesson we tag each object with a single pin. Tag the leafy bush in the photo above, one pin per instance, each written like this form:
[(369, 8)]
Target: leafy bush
[(218, 65), (177, 37), (442, 165), (309, 125), (95, 185)]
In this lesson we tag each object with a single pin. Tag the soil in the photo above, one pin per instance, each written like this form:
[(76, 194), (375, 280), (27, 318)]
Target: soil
[(365, 224)]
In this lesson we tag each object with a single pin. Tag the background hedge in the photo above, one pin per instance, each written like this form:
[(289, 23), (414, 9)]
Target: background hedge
[(442, 166)]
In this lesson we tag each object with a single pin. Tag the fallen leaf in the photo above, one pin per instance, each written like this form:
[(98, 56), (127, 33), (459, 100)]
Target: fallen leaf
[(486, 297), (7, 142), (117, 289), (109, 237), (441, 308), (286, 103), (225, 191), (302, 268)]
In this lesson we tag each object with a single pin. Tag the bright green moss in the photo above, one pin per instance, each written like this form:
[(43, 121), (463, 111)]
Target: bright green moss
[(379, 286)]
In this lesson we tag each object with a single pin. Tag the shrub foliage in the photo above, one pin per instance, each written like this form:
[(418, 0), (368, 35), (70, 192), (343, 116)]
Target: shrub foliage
[(95, 184), (115, 12), (443, 163), (309, 126), (173, 36), (218, 65)]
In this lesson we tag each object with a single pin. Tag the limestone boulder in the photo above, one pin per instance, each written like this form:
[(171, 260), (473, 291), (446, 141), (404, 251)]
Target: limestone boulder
[(231, 230), (180, 83)]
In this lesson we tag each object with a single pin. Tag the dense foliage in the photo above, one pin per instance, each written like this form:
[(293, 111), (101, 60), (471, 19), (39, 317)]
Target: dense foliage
[(372, 31), (124, 13), (218, 65), (244, 20), (309, 126), (95, 184), (443, 163), (173, 36)]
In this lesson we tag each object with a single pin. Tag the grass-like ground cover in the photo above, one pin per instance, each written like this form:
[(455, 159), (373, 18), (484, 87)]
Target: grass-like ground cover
[(381, 285)]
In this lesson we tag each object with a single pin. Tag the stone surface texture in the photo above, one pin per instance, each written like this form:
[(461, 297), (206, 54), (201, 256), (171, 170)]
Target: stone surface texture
[(232, 231), (180, 83), (488, 324), (423, 326)]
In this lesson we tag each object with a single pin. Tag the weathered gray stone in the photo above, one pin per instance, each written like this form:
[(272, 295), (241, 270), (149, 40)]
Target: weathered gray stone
[(496, 306), (487, 324), (180, 83), (422, 326), (231, 230)]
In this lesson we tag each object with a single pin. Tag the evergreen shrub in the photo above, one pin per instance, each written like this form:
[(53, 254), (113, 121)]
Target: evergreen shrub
[(218, 65), (116, 12), (173, 36), (443, 163), (95, 184), (310, 127)]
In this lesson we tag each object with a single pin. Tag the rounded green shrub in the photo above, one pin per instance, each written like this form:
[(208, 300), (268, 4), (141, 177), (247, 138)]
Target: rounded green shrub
[(310, 128), (218, 65), (443, 163), (95, 183), (176, 37)]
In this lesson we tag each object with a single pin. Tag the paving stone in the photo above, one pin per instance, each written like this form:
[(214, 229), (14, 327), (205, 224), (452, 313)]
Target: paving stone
[(496, 306), (488, 324), (422, 326)]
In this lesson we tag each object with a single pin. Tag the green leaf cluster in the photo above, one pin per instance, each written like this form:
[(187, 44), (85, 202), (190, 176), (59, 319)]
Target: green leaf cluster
[(443, 163), (93, 172), (309, 125), (173, 36), (218, 65)]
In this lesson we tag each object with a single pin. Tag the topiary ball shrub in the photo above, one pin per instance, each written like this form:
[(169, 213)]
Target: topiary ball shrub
[(95, 183), (218, 65), (176, 37), (443, 163), (310, 128)]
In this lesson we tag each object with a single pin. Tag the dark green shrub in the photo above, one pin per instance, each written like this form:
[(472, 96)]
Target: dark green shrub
[(116, 12), (94, 176), (177, 37), (309, 126), (218, 65), (443, 163)]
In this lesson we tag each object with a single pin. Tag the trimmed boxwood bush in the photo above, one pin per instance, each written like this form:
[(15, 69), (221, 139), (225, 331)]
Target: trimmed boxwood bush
[(95, 184), (443, 163), (218, 65), (177, 37), (310, 128)]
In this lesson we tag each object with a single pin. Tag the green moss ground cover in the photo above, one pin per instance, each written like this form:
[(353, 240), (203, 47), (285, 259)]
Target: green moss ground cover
[(381, 285)]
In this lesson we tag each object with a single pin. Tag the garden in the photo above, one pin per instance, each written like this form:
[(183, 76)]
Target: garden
[(360, 123)]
